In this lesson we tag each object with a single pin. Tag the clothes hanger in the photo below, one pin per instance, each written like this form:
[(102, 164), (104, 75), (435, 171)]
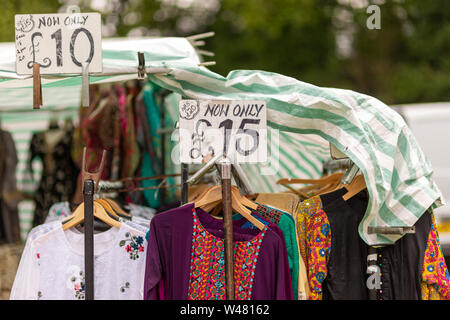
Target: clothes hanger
[(217, 206), (316, 187), (214, 195), (246, 213), (78, 217), (297, 192), (242, 199), (356, 186), (332, 186), (115, 206), (196, 191), (105, 204), (235, 191), (214, 208), (324, 180)]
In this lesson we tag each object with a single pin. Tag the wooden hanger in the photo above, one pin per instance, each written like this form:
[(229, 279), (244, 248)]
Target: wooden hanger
[(316, 187), (214, 208), (78, 217), (115, 206), (196, 191), (356, 186), (244, 200), (217, 206), (214, 195), (330, 187), (324, 180), (107, 207)]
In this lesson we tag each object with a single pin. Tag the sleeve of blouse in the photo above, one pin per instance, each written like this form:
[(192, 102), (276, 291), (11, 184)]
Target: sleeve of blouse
[(153, 268), (26, 282), (283, 276), (295, 256)]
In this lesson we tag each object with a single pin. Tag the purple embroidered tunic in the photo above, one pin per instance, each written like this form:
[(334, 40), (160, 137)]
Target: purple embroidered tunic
[(185, 259)]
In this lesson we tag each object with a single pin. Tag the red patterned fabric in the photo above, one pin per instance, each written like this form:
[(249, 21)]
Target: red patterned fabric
[(207, 269)]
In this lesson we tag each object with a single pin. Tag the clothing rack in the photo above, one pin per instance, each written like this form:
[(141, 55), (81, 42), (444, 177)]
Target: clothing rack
[(90, 185), (88, 194), (163, 133), (90, 181)]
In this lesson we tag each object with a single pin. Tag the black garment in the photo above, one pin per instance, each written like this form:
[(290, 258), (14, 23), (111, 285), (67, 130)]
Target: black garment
[(400, 264), (59, 174), (9, 195), (346, 278)]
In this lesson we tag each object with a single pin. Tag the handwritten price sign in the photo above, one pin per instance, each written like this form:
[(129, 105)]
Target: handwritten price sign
[(237, 129), (58, 42)]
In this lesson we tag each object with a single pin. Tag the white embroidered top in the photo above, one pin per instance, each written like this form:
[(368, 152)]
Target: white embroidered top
[(52, 264)]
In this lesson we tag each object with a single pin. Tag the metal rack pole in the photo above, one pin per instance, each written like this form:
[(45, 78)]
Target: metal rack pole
[(88, 193), (163, 148), (225, 175), (184, 183)]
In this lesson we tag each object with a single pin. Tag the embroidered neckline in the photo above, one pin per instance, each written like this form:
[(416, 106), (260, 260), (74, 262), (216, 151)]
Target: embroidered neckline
[(113, 231), (207, 278), (236, 225)]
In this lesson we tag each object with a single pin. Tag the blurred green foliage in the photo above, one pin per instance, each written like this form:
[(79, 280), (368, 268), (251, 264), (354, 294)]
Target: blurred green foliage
[(406, 61)]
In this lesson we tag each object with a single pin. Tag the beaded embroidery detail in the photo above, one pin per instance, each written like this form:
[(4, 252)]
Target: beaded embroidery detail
[(207, 268), (269, 214)]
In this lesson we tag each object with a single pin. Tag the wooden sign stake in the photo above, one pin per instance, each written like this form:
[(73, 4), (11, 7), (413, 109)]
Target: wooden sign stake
[(37, 87)]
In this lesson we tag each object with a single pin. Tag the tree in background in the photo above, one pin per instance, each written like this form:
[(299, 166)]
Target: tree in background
[(324, 42)]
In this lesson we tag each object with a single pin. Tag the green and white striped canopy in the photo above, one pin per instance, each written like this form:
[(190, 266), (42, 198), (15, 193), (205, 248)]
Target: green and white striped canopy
[(376, 138), (120, 62), (397, 173)]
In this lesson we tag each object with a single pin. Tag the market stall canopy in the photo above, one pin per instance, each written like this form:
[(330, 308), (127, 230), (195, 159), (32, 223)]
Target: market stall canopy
[(120, 62), (376, 138), (397, 173)]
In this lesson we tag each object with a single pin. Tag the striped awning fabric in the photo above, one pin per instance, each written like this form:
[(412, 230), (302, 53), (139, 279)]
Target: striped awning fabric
[(120, 62), (376, 138), (311, 151)]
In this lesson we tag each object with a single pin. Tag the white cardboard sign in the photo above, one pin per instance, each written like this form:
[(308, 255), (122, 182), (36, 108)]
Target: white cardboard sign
[(237, 128), (58, 42)]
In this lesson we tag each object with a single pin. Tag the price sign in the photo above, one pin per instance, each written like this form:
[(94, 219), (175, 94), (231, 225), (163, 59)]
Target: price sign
[(237, 129), (58, 42)]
